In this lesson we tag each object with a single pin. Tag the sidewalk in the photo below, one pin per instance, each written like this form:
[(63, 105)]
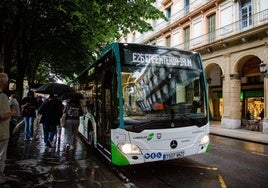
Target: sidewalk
[(242, 134), (28, 164)]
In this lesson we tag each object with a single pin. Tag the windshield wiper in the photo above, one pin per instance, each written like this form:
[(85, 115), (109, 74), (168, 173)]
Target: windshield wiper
[(198, 121)]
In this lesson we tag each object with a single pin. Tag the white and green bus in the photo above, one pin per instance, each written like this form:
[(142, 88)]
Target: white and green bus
[(145, 104)]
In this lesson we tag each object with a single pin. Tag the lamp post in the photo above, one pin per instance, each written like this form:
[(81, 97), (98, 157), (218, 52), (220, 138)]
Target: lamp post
[(263, 70), (262, 67)]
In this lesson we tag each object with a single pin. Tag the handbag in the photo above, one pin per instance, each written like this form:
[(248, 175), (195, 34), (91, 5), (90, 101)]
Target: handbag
[(63, 120)]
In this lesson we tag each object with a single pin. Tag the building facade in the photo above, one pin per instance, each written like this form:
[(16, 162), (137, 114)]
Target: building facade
[(232, 37)]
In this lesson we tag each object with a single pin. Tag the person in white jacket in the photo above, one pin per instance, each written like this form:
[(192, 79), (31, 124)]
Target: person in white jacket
[(5, 114)]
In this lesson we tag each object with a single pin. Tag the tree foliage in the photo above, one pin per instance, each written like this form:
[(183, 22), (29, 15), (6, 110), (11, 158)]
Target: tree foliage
[(44, 39)]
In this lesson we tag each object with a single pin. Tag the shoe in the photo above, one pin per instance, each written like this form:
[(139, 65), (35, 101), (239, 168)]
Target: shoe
[(67, 149), (31, 139), (25, 139), (2, 180)]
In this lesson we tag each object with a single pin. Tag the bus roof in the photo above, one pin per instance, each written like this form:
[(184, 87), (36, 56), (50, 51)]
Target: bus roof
[(115, 47)]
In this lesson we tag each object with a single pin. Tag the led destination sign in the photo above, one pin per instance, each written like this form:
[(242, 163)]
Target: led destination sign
[(161, 60)]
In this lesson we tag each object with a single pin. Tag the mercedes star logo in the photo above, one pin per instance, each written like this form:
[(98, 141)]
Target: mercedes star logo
[(173, 144)]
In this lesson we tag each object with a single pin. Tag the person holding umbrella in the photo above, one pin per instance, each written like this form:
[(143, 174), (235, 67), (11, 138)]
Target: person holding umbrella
[(51, 111)]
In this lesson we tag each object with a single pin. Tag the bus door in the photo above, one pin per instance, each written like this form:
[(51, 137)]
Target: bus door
[(106, 108)]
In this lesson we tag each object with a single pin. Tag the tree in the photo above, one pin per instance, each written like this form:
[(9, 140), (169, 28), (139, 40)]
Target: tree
[(48, 38)]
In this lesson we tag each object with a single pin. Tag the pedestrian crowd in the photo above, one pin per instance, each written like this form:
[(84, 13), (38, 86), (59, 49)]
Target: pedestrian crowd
[(35, 111)]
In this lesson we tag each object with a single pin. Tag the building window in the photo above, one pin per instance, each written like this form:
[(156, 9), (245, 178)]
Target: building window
[(187, 38), (168, 41), (211, 28), (246, 13), (168, 13), (187, 6)]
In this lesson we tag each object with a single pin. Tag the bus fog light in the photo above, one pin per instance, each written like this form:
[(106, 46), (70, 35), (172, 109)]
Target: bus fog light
[(204, 140), (128, 148)]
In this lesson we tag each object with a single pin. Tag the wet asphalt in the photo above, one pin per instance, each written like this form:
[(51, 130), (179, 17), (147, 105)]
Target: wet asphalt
[(28, 164)]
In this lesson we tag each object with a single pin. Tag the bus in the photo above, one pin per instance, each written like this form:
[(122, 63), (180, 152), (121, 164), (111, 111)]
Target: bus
[(145, 103)]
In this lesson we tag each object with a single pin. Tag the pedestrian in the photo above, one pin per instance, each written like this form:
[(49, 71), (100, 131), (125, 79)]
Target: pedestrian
[(262, 114), (5, 115), (28, 112), (248, 115), (73, 111), (14, 105), (39, 101), (51, 111)]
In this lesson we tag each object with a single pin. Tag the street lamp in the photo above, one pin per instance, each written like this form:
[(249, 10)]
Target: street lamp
[(262, 67)]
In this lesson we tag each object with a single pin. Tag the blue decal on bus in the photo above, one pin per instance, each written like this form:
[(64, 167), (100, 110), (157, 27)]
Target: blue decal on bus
[(153, 155), (146, 155)]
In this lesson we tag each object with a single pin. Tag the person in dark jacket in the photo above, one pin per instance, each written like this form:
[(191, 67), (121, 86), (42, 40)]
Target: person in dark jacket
[(28, 112), (51, 111), (73, 111)]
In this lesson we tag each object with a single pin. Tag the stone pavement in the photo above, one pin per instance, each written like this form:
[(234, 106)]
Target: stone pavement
[(29, 165), (242, 134)]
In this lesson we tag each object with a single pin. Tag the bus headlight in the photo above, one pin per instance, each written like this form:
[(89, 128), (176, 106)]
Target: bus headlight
[(128, 148), (204, 140)]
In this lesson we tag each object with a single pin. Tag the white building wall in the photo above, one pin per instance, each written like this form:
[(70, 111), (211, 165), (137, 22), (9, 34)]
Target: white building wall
[(197, 30), (262, 4), (226, 17), (176, 37), (227, 14)]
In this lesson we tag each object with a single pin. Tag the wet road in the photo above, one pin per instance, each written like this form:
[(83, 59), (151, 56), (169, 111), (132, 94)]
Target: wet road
[(230, 163), (29, 165)]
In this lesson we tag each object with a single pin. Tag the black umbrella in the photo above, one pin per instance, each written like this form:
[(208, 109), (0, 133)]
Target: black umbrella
[(71, 95), (54, 88)]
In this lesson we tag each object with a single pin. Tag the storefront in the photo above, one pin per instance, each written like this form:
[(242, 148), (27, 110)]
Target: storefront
[(253, 103)]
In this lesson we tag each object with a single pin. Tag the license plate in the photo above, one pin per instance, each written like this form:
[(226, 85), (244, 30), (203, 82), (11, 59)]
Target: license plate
[(173, 155)]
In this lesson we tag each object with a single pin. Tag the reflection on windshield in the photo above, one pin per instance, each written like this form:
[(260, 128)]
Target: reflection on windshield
[(163, 93)]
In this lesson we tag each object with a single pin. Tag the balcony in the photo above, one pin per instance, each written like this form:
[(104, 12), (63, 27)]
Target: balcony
[(258, 23), (179, 15)]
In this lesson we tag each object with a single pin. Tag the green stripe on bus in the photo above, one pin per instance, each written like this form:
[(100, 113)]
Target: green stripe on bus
[(208, 148), (117, 157)]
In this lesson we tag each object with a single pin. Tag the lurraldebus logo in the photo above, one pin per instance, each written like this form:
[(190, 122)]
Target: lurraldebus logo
[(148, 138)]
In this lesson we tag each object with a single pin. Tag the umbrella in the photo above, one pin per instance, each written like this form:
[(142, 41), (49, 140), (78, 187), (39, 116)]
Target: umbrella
[(71, 95), (54, 88)]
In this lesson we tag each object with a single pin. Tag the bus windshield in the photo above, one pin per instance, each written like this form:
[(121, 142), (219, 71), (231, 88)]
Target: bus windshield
[(162, 88)]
